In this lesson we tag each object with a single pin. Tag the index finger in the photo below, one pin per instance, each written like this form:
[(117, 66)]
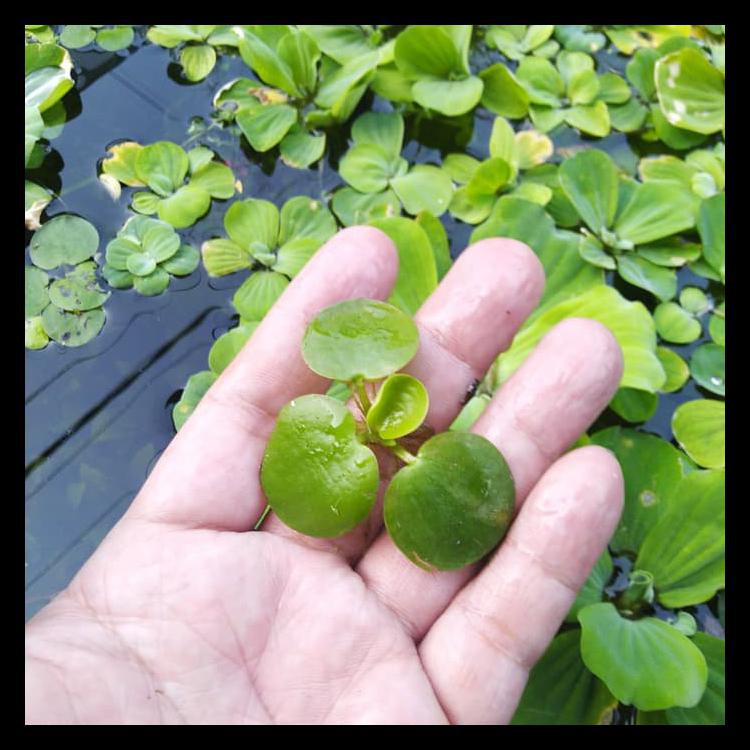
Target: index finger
[(208, 475)]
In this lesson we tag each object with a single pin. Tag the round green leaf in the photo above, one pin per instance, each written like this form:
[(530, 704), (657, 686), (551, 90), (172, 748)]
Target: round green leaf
[(305, 218), (119, 250), (335, 479), (36, 296), (222, 257), (228, 345), (185, 207), (64, 239), (368, 167), (684, 551), (353, 207), (651, 468), (471, 208), (292, 256), (660, 281), (716, 325), (426, 51), (116, 277), (116, 38), (258, 293), (145, 202), (197, 61), (160, 242), (676, 368), (690, 91), (36, 338), (162, 166), (251, 221), (215, 178), (590, 181), (676, 325), (710, 710), (72, 328), (121, 165), (74, 36), (453, 504), (383, 129), (300, 149), (502, 93), (670, 252), (707, 367), (627, 117), (183, 262), (195, 389), (542, 82), (653, 665), (591, 118), (424, 188), (417, 275), (79, 290), (698, 427), (450, 98), (140, 264), (561, 690), (155, 283), (399, 408), (265, 127), (359, 338)]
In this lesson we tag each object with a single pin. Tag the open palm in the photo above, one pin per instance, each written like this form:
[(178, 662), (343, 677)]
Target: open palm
[(184, 615)]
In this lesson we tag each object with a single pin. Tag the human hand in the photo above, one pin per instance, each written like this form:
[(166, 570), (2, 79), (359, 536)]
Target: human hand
[(182, 616)]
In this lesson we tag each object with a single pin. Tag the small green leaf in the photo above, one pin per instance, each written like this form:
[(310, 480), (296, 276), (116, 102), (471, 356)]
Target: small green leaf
[(660, 281), (121, 165), (451, 98), (222, 257), (64, 239), (115, 38), (36, 337), (160, 241), (424, 188), (195, 389), (471, 411), (502, 93), (707, 367), (368, 167), (305, 218), (300, 149), (590, 118), (591, 250), (716, 325), (711, 229), (140, 264), (301, 54), (653, 667), (399, 408), (353, 207), (670, 252), (382, 129), (79, 290), (162, 166), (145, 202), (676, 368), (117, 278), (426, 51), (293, 256), (119, 250), (335, 480), (655, 210), (634, 405), (252, 220), (155, 283), (183, 262), (185, 207), (228, 346), (265, 127), (561, 690), (45, 87), (36, 296), (698, 427), (215, 178), (453, 504), (438, 238), (684, 551), (542, 82), (75, 37), (258, 293), (676, 325)]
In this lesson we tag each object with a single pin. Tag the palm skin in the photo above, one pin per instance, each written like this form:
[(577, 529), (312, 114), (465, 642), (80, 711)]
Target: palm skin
[(183, 615)]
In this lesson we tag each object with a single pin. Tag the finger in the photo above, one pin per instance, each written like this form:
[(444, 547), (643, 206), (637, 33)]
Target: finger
[(479, 652), (208, 476), (546, 404), (465, 323)]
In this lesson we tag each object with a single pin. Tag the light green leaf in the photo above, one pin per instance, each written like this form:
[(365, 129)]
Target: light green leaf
[(115, 38), (116, 277), (655, 210), (265, 127), (634, 405), (424, 188), (383, 129), (590, 181), (591, 251), (48, 55), (676, 325), (263, 59), (140, 264), (542, 82), (75, 36), (300, 149), (546, 118), (368, 167), (72, 328), (674, 137), (640, 72), (711, 230), (698, 427), (450, 98), (627, 117), (64, 239), (303, 217), (651, 468), (195, 389), (426, 51), (183, 262), (253, 220), (79, 290), (301, 55), (258, 293), (185, 207), (155, 283), (531, 149), (359, 339), (417, 274), (36, 296), (613, 89), (197, 61), (35, 337), (228, 346), (353, 207), (335, 482), (684, 551), (592, 591), (162, 166), (471, 208), (341, 91), (121, 165), (438, 238), (690, 91), (145, 202), (660, 281), (342, 43), (502, 93), (675, 367), (592, 119), (399, 408), (45, 87), (469, 414), (562, 691), (293, 255), (716, 325), (160, 241), (171, 35), (670, 252), (489, 177), (654, 666), (215, 178), (390, 83), (34, 128)]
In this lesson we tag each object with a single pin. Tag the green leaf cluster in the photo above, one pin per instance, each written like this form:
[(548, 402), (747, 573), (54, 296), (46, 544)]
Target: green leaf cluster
[(109, 38), (195, 46)]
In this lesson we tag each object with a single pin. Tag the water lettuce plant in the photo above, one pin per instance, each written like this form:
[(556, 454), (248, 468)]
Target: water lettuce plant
[(515, 42), (448, 506), (145, 254), (274, 244), (109, 38), (195, 46), (181, 184)]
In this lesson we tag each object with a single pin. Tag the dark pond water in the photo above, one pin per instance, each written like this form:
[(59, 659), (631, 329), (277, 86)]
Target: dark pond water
[(98, 416)]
